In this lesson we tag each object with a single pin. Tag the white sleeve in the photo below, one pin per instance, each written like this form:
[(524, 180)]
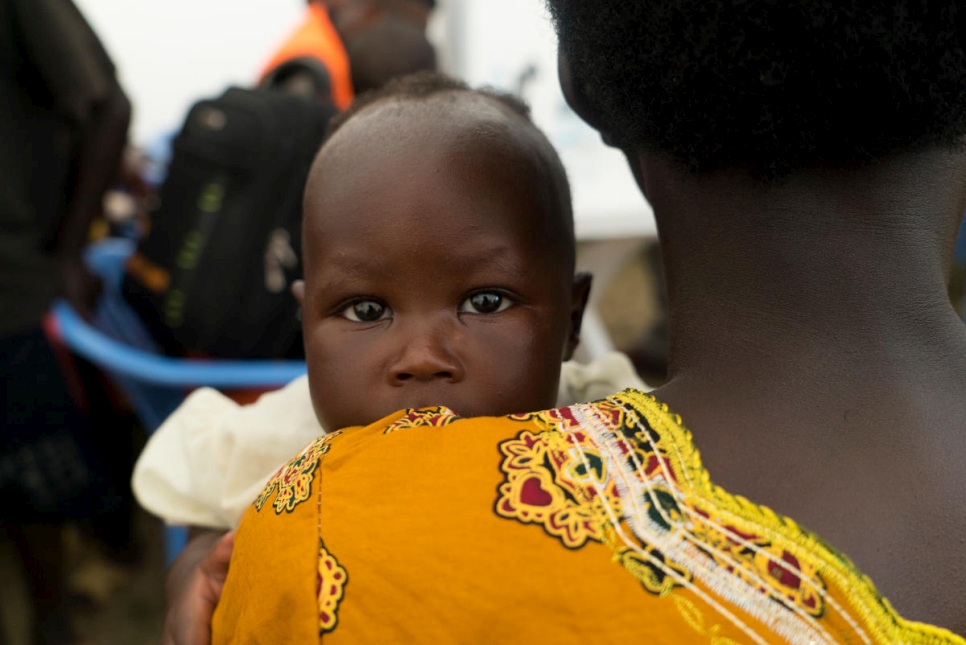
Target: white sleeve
[(602, 377), (211, 458)]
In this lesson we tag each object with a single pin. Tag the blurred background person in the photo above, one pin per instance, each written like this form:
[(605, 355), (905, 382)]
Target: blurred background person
[(63, 124), (232, 299), (321, 57)]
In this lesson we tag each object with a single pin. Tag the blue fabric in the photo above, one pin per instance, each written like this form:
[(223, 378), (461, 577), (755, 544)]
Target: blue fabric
[(119, 343), (154, 384)]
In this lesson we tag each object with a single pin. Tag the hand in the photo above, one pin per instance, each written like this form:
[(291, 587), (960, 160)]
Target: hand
[(78, 285), (194, 586)]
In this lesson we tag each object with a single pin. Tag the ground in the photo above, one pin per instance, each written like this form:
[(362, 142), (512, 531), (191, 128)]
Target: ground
[(117, 605)]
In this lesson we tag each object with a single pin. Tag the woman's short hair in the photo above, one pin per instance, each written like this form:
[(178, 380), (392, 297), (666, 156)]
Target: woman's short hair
[(771, 85)]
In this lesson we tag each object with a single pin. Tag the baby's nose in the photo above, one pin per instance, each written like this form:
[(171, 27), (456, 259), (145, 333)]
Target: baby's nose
[(427, 357)]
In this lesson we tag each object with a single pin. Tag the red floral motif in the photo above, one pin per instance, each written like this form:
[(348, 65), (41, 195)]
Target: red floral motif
[(557, 478), (330, 588), (542, 488)]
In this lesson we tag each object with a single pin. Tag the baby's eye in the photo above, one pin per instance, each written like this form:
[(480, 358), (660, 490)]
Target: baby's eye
[(367, 311), (485, 302)]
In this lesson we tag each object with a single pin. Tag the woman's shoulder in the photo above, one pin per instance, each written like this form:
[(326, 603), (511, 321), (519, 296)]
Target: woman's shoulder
[(648, 471)]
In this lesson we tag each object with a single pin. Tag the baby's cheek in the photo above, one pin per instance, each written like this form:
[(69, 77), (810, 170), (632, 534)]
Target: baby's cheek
[(519, 369), (336, 378)]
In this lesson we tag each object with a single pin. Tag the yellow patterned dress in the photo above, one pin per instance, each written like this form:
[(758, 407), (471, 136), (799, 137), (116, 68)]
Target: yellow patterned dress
[(589, 524)]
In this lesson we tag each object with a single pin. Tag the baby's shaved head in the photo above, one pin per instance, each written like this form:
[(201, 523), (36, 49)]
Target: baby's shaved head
[(416, 113)]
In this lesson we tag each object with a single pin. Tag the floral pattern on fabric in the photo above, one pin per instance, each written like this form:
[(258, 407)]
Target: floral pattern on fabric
[(292, 483), (624, 472), (330, 589), (572, 498), (537, 490), (436, 416)]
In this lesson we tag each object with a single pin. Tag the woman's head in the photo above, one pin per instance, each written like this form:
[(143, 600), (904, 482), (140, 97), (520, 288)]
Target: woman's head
[(769, 86)]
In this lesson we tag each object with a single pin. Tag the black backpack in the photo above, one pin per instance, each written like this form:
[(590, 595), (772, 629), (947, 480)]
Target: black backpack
[(213, 274)]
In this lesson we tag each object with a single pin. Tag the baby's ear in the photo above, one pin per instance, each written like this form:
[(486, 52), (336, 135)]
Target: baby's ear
[(298, 290), (580, 294)]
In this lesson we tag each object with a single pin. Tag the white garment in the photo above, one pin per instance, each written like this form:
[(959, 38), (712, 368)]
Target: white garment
[(212, 457)]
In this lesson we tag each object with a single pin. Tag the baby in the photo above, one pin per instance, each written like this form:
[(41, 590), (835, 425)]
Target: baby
[(439, 261), (439, 258), (439, 271)]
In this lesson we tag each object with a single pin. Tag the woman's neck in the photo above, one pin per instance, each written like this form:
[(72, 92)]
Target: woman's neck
[(818, 361), (826, 278)]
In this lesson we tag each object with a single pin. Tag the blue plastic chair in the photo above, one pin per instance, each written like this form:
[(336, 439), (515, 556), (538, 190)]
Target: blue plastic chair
[(154, 384)]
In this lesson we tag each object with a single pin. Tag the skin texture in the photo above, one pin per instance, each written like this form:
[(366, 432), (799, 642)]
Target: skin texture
[(450, 208), (816, 357)]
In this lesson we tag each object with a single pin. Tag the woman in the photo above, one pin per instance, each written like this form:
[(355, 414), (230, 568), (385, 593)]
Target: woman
[(808, 185)]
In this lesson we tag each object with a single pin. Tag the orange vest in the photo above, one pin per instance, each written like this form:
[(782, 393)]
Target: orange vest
[(317, 37)]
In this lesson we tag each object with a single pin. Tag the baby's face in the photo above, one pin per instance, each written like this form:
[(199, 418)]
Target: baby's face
[(429, 279)]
